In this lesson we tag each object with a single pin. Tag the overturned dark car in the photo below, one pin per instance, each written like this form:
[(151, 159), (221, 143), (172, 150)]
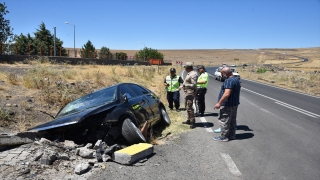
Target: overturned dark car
[(112, 114)]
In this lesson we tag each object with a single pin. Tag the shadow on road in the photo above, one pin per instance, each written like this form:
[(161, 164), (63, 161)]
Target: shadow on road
[(204, 124), (243, 127), (211, 114), (244, 136)]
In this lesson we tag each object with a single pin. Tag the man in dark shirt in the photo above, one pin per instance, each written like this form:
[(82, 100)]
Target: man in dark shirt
[(228, 102)]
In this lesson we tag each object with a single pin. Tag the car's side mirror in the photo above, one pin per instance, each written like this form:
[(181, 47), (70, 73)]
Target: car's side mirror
[(126, 96)]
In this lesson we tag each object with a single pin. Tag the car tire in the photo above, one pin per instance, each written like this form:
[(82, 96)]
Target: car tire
[(131, 133), (165, 117)]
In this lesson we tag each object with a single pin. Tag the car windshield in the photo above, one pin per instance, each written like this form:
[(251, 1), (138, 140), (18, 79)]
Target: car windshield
[(97, 98)]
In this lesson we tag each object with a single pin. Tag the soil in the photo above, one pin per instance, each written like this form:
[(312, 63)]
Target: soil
[(21, 104)]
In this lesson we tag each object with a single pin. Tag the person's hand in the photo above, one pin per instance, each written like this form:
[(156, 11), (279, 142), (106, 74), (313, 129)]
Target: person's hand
[(217, 106)]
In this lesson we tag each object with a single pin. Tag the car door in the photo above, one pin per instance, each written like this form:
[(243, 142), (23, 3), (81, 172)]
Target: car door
[(138, 104), (153, 102), (149, 100)]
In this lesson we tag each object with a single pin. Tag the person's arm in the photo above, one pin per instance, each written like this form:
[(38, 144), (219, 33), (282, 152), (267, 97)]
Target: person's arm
[(204, 80), (181, 83), (165, 83), (224, 97)]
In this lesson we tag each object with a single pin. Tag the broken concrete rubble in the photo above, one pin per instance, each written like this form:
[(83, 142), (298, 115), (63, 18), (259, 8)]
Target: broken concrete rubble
[(81, 168), (44, 156)]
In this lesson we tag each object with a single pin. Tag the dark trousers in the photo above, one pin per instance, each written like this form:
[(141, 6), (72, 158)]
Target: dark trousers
[(173, 97), (200, 100)]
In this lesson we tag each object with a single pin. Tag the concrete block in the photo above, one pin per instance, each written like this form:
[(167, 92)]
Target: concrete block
[(38, 156), (88, 146), (84, 152), (81, 168), (45, 161), (70, 144), (18, 138), (132, 154), (64, 156), (98, 145)]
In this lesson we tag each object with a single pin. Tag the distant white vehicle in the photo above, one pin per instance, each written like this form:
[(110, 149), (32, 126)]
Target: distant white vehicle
[(233, 65), (217, 74)]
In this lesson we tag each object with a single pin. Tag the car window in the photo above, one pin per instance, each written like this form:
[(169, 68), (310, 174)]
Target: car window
[(97, 98), (138, 89), (125, 89)]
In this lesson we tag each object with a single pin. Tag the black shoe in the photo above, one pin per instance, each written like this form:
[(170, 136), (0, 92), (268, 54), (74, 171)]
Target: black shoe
[(178, 110), (192, 126), (186, 122), (196, 115), (202, 114)]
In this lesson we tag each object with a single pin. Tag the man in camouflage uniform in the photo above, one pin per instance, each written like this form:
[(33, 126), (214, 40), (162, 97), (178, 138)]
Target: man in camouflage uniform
[(228, 102), (190, 89)]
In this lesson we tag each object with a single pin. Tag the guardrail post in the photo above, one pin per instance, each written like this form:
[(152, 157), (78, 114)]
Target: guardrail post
[(16, 48), (29, 48)]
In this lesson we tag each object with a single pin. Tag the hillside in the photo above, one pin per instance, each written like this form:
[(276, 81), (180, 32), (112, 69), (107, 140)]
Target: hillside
[(290, 58)]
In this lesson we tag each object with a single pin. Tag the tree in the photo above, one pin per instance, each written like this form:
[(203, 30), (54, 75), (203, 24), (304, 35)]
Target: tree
[(23, 45), (43, 38), (121, 55), (5, 29), (148, 53), (104, 53), (6, 35), (88, 50)]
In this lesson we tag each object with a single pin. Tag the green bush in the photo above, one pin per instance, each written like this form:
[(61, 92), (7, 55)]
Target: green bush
[(261, 70)]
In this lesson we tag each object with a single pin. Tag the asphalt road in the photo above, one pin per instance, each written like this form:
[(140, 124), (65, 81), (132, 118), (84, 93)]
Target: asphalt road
[(276, 139)]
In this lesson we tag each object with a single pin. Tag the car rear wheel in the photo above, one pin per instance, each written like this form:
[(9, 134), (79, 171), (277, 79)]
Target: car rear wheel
[(131, 133), (165, 117)]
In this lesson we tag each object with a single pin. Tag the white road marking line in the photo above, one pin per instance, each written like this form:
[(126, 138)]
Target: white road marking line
[(287, 105), (295, 109), (231, 165), (205, 122), (282, 88), (298, 109)]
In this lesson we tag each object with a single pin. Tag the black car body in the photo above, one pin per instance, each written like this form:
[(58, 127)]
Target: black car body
[(108, 113)]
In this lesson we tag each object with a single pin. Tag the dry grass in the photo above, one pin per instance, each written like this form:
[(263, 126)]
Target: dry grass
[(306, 82)]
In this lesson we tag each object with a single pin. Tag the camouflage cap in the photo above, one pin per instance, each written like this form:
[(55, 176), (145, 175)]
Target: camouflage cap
[(188, 64)]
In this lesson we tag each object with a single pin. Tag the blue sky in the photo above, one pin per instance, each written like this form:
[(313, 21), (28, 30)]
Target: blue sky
[(173, 24)]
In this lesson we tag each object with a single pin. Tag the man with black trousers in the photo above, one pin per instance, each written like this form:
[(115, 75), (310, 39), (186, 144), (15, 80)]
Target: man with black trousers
[(202, 84), (173, 84)]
